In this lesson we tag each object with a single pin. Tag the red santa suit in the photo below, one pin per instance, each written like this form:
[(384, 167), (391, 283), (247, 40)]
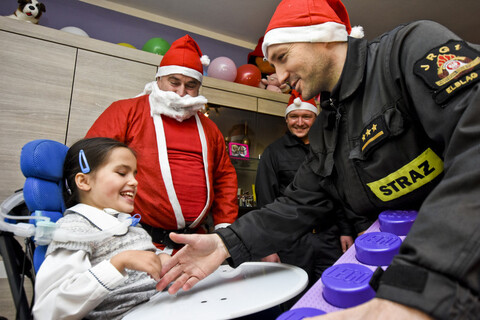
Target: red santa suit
[(189, 165)]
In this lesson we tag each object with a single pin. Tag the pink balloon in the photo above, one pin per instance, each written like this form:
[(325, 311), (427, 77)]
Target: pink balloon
[(222, 68), (249, 75)]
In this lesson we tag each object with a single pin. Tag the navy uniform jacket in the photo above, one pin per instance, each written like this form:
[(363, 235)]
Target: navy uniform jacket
[(279, 162), (315, 251), (277, 168), (401, 130)]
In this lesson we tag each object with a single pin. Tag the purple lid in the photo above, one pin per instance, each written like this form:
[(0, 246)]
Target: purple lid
[(346, 285), (377, 248), (397, 222), (300, 313)]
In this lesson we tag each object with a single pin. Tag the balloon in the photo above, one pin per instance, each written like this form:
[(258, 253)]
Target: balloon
[(222, 68), (128, 45), (157, 46), (75, 30), (248, 74)]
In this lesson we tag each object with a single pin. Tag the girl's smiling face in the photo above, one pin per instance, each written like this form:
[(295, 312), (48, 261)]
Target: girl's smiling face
[(113, 184)]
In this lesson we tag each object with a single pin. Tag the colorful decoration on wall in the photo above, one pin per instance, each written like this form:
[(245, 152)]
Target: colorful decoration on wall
[(128, 45), (156, 45), (273, 84), (249, 75), (222, 68), (75, 30), (256, 58)]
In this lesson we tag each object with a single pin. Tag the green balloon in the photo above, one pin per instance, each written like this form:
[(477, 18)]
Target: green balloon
[(157, 46)]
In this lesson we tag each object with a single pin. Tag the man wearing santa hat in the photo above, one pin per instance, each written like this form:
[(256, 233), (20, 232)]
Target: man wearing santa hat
[(399, 129), (281, 159), (184, 171), (315, 251)]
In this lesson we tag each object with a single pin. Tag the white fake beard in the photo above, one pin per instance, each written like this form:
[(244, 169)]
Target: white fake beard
[(171, 104)]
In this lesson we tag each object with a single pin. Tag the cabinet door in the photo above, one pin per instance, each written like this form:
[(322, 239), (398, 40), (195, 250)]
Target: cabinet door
[(35, 88), (240, 126), (101, 79)]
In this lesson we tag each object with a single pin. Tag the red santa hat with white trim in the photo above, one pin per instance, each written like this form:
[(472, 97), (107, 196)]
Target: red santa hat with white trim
[(183, 57), (296, 102), (309, 21)]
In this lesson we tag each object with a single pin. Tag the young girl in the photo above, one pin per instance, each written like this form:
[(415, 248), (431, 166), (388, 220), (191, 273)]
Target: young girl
[(109, 270)]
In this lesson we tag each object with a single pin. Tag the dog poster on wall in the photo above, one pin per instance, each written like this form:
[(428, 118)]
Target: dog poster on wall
[(29, 11)]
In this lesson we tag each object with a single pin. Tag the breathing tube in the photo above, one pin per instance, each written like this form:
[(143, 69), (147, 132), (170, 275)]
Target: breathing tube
[(19, 229), (45, 231)]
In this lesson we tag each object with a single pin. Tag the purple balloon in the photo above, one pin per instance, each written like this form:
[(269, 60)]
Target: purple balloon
[(222, 68)]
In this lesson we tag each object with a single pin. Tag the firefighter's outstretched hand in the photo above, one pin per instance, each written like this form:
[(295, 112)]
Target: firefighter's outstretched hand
[(201, 255)]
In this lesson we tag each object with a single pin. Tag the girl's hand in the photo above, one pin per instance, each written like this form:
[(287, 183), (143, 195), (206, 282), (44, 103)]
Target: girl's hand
[(139, 260)]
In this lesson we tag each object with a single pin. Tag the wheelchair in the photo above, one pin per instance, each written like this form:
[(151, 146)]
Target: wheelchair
[(23, 214), (41, 162)]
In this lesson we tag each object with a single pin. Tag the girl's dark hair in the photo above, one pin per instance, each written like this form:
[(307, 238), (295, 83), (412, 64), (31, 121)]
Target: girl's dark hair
[(96, 152)]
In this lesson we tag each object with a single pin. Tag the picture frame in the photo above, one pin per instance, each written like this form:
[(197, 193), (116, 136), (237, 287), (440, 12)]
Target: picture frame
[(238, 150)]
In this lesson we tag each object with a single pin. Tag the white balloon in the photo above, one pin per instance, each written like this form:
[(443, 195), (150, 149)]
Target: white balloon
[(75, 30)]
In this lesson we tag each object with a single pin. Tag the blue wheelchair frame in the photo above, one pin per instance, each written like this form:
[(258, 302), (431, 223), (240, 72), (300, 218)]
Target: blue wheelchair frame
[(41, 162)]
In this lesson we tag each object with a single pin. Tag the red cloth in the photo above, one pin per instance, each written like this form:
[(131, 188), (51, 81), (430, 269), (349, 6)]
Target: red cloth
[(186, 165), (130, 121), (300, 13)]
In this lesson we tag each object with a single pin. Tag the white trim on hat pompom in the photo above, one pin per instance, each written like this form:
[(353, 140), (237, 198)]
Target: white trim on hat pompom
[(324, 32), (357, 32), (205, 60), (172, 69)]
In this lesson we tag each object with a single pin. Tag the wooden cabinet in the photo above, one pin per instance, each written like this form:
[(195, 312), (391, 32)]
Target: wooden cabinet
[(53, 85), (260, 129), (35, 81), (100, 80)]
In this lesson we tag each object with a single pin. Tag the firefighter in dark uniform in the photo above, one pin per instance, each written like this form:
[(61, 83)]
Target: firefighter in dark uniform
[(399, 129)]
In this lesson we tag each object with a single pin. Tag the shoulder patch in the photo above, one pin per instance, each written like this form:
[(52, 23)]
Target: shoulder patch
[(449, 68), (373, 133)]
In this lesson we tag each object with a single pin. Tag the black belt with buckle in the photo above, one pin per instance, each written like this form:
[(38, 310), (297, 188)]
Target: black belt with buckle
[(161, 236)]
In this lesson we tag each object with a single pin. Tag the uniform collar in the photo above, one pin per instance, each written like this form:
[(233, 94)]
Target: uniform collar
[(101, 219), (292, 140), (353, 71)]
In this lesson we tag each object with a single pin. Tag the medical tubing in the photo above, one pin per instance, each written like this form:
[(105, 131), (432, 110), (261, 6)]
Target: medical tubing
[(66, 236), (13, 201), (19, 229), (29, 230)]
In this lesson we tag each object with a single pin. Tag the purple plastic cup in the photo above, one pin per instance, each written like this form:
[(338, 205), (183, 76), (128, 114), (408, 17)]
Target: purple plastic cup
[(300, 313), (377, 248), (397, 222), (346, 285)]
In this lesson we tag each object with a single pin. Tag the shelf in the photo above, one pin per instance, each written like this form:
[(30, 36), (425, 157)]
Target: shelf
[(245, 164)]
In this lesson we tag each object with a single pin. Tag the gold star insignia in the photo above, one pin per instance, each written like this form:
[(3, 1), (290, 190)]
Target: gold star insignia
[(368, 132), (374, 127)]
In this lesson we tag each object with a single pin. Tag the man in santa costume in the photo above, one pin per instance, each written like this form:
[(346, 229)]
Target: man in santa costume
[(184, 171)]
